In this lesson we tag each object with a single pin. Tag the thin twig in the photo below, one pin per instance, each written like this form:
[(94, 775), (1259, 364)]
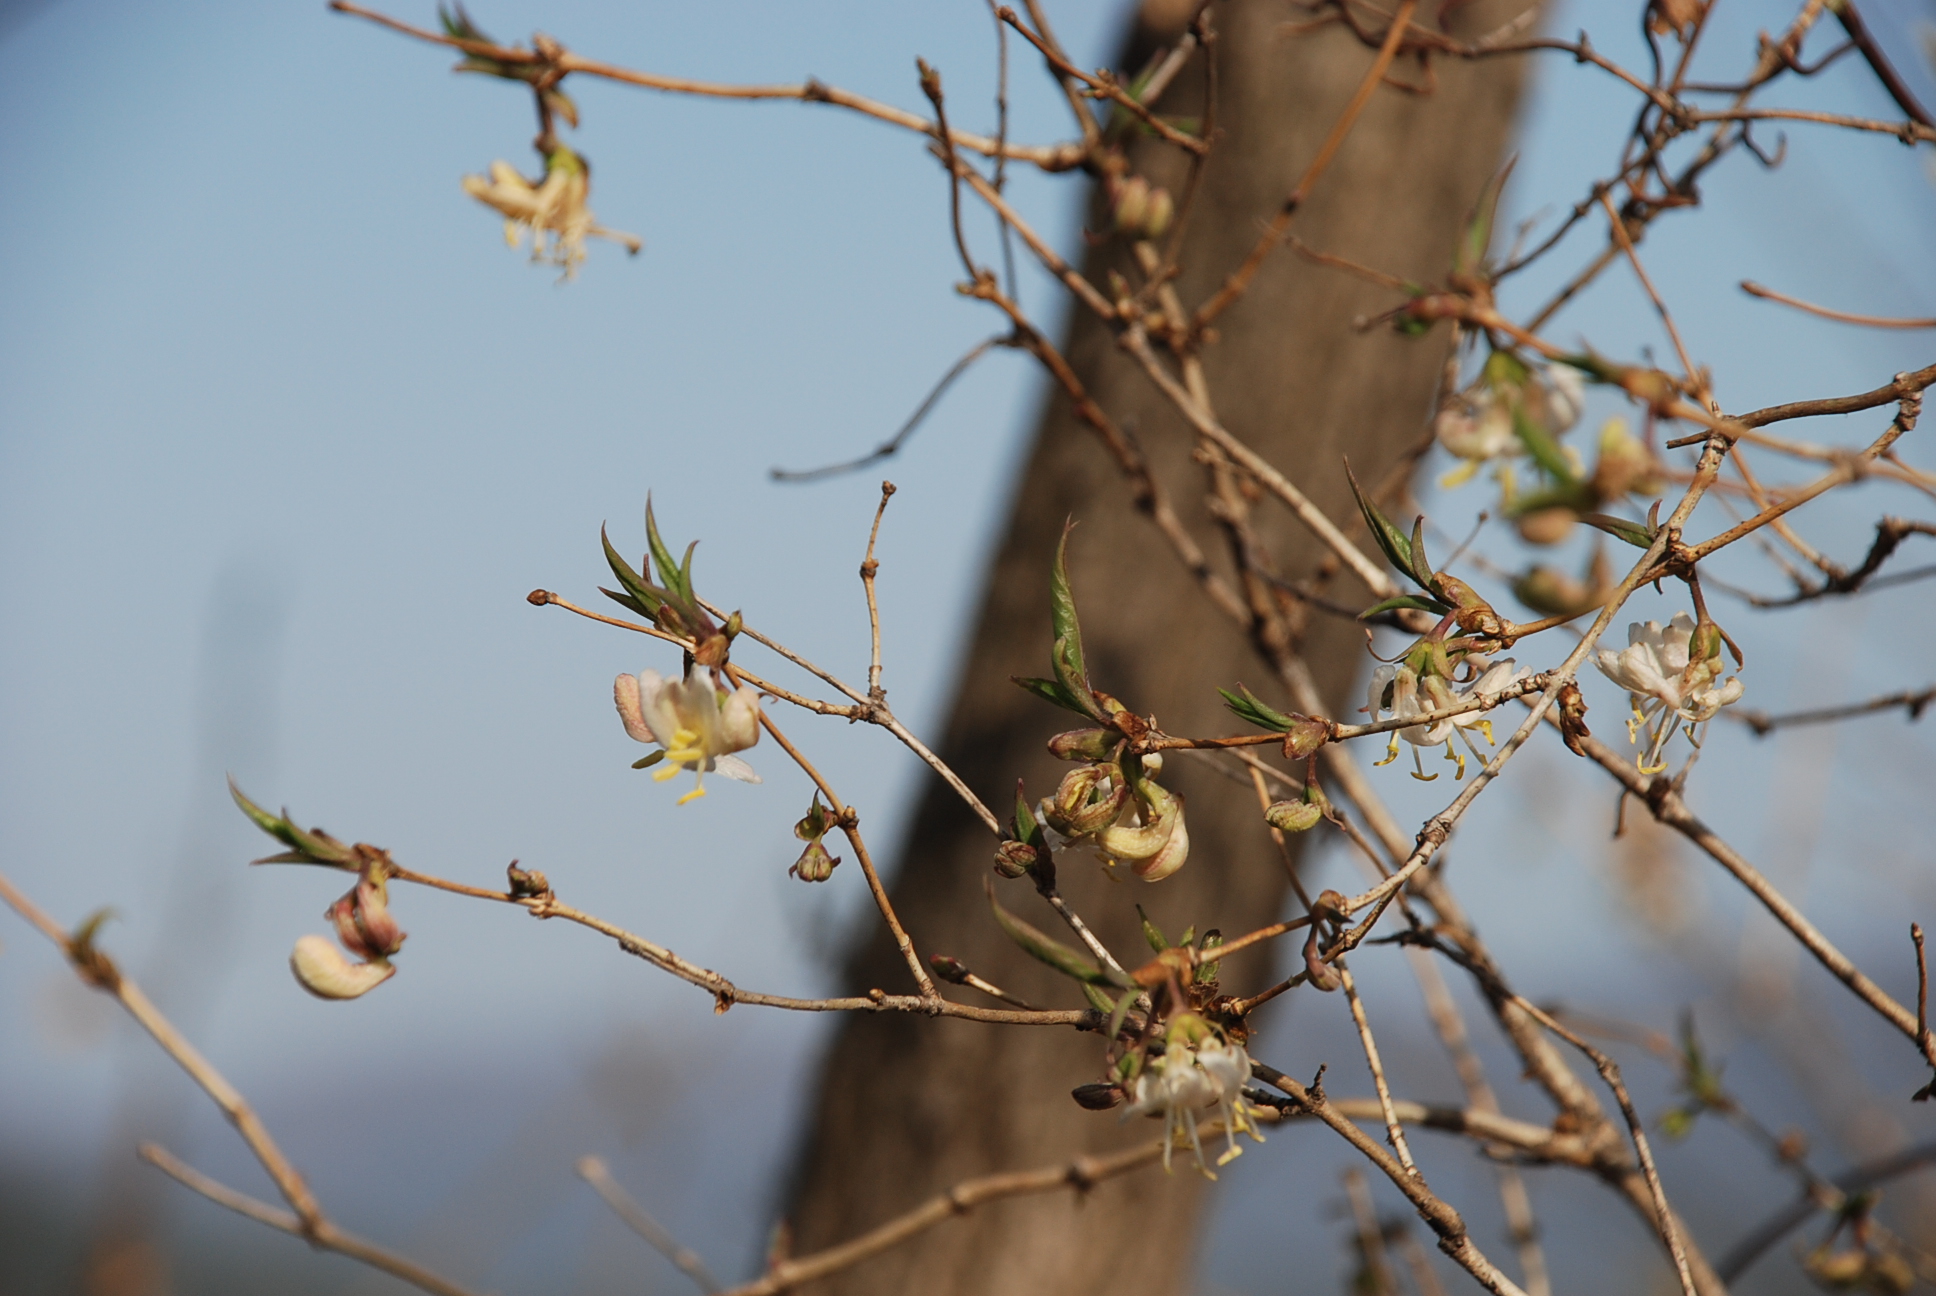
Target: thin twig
[(325, 1235), (1754, 289), (595, 1172), (1394, 1132), (1053, 157)]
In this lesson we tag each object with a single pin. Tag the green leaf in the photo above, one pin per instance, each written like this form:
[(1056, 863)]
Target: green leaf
[(1249, 708), (1212, 939), (1397, 549), (1097, 999), (1415, 601), (1052, 691), (649, 596), (1421, 568), (1063, 620), (669, 572), (626, 601), (458, 25), (1120, 1011), (1026, 829), (1542, 447), (1188, 937), (306, 847), (1151, 932), (1046, 948), (1470, 258), (1637, 534)]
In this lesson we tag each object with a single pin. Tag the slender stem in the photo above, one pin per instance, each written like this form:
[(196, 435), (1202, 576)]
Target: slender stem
[(325, 1235), (1053, 157), (595, 1172), (1393, 1130), (1754, 289)]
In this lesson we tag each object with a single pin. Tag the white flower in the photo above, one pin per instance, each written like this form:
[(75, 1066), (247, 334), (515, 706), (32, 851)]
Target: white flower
[(1565, 397), (1664, 685), (1400, 691), (696, 724), (1476, 432), (1186, 1079), (553, 210)]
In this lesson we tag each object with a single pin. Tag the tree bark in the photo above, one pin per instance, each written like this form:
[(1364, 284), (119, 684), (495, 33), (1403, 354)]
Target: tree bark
[(908, 1106)]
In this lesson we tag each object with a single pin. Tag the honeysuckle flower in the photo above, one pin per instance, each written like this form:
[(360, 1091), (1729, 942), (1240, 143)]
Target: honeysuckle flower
[(1405, 693), (695, 723), (1477, 425), (1565, 395), (553, 210), (323, 971), (1668, 681), (1198, 1069), (1475, 431)]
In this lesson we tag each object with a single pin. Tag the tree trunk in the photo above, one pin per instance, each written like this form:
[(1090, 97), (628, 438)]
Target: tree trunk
[(909, 1106)]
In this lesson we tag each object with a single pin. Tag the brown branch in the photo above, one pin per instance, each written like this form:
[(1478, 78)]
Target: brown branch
[(1106, 86), (1852, 468), (1661, 797), (1754, 289), (559, 62), (307, 1220), (595, 1172), (1888, 394), (1913, 702), (1081, 1174), (324, 1234), (1437, 1213)]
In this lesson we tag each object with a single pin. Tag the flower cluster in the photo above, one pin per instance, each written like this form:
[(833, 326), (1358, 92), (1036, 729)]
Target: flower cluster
[(696, 724), (1420, 683), (1492, 419), (1672, 674), (1197, 1069)]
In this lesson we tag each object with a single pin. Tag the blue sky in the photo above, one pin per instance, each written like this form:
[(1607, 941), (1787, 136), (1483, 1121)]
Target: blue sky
[(286, 434)]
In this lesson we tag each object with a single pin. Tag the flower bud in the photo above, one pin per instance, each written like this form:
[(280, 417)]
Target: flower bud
[(1130, 204), (951, 970), (1293, 816), (1085, 744), (814, 864), (1013, 859), (325, 973), (1626, 466), (1087, 801), (1162, 210), (1547, 526), (1304, 737), (363, 920), (1097, 1097)]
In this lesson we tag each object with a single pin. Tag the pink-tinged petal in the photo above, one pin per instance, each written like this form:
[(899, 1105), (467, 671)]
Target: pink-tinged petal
[(323, 971), (625, 695), (1173, 854)]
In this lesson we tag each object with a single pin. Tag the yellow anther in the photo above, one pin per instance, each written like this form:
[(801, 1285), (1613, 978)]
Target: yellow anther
[(697, 792), (1391, 754)]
